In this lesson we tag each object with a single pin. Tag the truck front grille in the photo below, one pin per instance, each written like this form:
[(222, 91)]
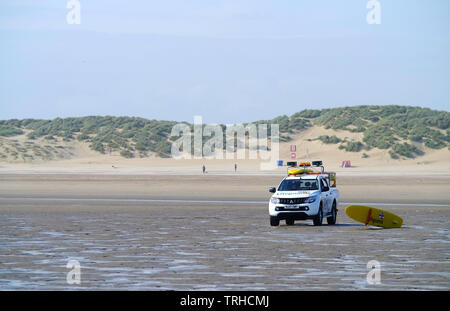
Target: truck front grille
[(293, 201), (284, 208)]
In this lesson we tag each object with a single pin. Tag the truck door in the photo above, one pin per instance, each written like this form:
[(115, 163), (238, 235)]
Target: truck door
[(325, 195)]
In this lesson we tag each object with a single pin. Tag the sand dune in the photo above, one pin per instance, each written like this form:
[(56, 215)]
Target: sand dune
[(84, 160)]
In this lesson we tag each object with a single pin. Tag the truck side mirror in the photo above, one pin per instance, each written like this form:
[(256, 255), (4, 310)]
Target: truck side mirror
[(272, 190)]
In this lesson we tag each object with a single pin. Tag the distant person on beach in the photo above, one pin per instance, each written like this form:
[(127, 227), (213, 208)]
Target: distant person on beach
[(203, 169), (235, 167)]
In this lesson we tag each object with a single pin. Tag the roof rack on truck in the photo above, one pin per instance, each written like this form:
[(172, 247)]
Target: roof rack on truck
[(307, 168)]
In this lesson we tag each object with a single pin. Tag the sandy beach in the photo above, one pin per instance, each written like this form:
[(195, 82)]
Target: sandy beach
[(187, 231), (138, 145)]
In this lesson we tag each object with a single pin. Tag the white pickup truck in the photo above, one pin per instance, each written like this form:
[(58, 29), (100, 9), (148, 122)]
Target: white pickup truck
[(305, 196)]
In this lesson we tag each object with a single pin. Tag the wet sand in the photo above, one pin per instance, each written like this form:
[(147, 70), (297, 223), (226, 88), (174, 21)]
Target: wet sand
[(433, 189), (180, 245)]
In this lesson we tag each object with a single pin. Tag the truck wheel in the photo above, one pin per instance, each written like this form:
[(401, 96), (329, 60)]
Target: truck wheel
[(317, 220), (332, 219), (290, 222), (274, 221)]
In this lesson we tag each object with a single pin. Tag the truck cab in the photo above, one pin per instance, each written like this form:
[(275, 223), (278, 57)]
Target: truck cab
[(304, 194)]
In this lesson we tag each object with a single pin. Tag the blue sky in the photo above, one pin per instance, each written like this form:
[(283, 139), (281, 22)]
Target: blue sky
[(228, 61)]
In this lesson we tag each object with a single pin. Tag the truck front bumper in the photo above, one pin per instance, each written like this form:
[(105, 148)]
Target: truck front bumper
[(293, 215), (298, 212)]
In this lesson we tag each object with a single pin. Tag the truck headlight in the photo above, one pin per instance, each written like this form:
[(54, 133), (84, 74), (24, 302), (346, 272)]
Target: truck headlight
[(274, 200), (311, 199)]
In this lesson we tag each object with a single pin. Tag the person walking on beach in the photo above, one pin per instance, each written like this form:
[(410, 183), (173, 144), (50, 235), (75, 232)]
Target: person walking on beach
[(235, 167), (203, 169)]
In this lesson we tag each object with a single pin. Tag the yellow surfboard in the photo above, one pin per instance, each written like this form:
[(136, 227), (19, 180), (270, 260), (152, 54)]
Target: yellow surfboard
[(296, 171), (373, 216)]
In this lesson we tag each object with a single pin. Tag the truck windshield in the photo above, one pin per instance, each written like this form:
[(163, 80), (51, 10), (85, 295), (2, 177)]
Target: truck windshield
[(298, 184)]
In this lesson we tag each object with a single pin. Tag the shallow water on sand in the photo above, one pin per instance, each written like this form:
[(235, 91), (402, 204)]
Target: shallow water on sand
[(217, 248)]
